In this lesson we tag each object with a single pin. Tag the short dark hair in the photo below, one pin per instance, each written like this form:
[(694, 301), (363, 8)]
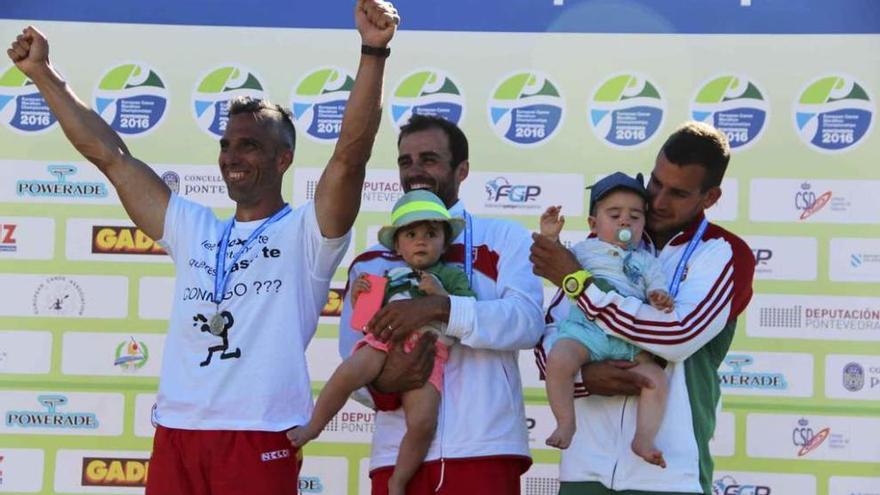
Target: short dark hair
[(697, 143), (458, 143), (276, 116)]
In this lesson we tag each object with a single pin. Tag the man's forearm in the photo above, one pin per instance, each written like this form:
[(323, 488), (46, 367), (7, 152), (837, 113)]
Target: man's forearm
[(84, 128)]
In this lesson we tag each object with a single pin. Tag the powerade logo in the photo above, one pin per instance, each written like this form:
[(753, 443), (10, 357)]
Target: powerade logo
[(22, 108), (833, 113), (51, 418), (426, 92), (808, 440), (729, 486), (502, 194), (213, 92), (318, 102), (626, 110), (132, 98), (61, 187), (131, 355), (525, 109), (808, 202), (748, 380), (735, 106)]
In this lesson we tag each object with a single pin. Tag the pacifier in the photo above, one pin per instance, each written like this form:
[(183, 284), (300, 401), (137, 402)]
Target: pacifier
[(624, 235)]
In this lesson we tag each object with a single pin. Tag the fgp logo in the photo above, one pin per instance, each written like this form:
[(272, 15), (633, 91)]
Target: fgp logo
[(743, 379), (834, 113), (7, 238), (500, 190), (626, 110), (22, 108), (61, 187), (807, 202), (318, 102), (735, 106), (51, 418), (215, 89), (804, 437), (104, 471), (131, 355), (729, 486), (525, 109), (762, 256), (131, 98), (853, 377), (426, 92), (310, 484), (123, 240)]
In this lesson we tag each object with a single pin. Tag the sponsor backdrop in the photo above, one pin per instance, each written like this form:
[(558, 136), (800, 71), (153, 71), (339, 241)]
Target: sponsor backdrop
[(552, 94)]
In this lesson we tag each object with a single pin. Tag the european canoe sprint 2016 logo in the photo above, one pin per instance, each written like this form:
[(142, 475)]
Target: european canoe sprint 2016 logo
[(626, 110), (318, 102), (132, 98), (834, 113), (734, 105), (213, 92), (22, 107), (526, 109), (426, 92)]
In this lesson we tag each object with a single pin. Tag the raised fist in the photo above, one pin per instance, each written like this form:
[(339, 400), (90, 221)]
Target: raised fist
[(29, 51), (376, 21)]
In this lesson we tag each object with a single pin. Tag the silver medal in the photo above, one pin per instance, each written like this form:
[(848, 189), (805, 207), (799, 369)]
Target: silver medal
[(216, 324)]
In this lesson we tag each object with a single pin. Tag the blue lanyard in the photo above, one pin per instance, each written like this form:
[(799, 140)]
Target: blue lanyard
[(221, 274), (689, 250), (468, 249)]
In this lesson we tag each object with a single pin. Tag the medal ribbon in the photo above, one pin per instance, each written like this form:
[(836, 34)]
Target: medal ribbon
[(221, 274), (689, 250)]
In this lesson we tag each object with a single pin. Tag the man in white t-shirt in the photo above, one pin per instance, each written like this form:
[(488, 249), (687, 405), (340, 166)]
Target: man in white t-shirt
[(249, 289)]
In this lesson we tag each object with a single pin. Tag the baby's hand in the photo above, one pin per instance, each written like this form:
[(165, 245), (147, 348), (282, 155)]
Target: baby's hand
[(661, 300), (360, 285), (552, 222), (429, 284)]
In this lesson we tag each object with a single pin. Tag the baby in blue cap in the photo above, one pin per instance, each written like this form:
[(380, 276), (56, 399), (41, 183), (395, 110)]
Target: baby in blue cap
[(613, 252)]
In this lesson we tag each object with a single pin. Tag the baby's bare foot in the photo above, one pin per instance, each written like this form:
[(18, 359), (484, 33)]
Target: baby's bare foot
[(561, 436), (645, 449)]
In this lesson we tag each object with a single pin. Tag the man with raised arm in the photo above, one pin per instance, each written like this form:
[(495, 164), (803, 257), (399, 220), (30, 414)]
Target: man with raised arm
[(710, 271), (249, 289)]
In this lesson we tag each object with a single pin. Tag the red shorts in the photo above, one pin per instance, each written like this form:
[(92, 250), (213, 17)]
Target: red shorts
[(498, 475), (221, 462)]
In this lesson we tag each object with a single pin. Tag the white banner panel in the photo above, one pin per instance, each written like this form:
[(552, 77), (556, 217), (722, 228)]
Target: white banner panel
[(852, 377), (790, 316), (154, 297), (27, 238), (854, 260), (112, 354), (784, 258), (61, 413), (25, 351), (829, 438), (64, 296), (21, 470), (814, 201), (778, 374), (101, 471), (745, 483)]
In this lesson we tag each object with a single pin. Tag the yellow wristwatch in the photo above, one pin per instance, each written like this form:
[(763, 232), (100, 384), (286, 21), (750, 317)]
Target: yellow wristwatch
[(573, 283)]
